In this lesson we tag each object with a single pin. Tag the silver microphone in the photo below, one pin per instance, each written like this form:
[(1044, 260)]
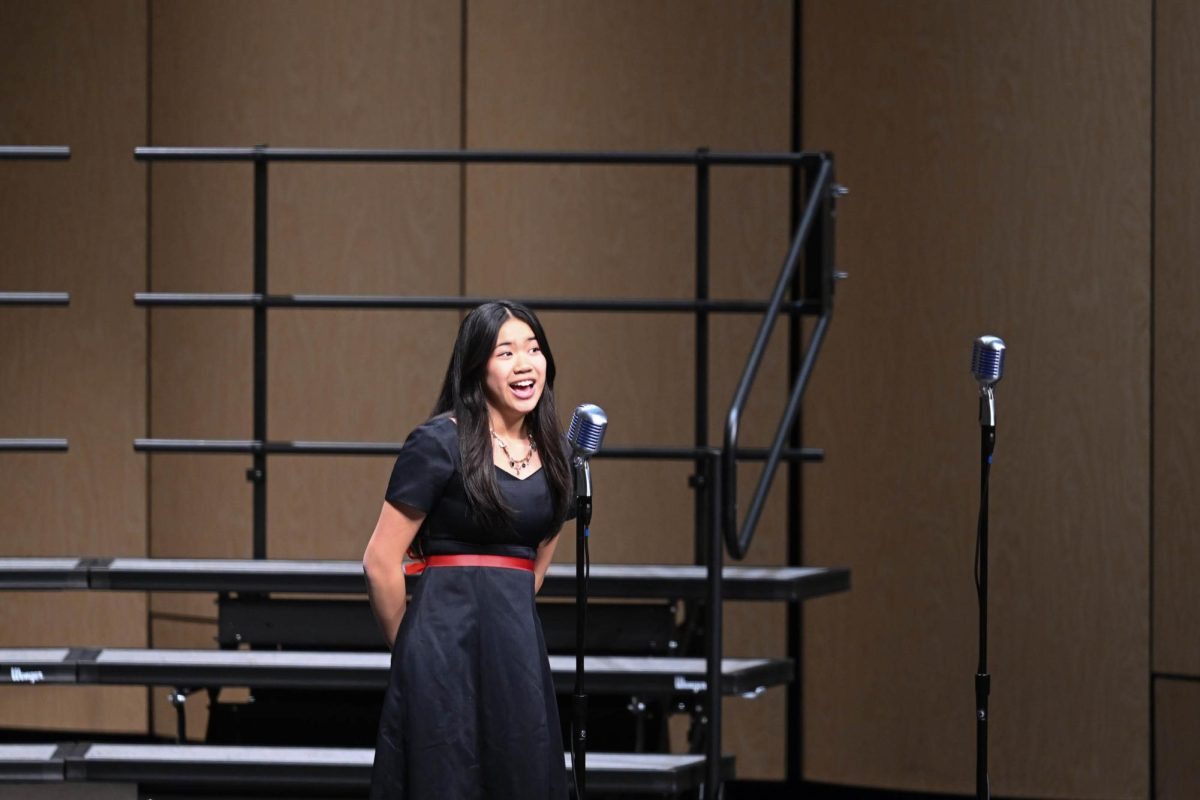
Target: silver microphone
[(587, 430), (588, 424), (987, 365)]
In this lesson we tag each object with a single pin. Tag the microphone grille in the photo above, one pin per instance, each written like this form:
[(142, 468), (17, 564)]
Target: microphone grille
[(587, 429), (987, 359)]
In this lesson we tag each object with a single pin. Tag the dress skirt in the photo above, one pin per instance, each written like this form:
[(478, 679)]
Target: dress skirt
[(470, 712)]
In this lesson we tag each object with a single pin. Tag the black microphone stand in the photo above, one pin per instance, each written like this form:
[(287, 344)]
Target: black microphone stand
[(983, 681), (583, 518)]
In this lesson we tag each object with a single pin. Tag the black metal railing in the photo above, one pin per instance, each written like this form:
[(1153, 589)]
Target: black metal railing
[(260, 299), (616, 452), (263, 153), (818, 250), (34, 299), (34, 153), (34, 445), (315, 301), (715, 468)]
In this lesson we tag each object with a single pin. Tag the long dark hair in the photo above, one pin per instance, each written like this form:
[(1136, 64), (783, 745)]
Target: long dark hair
[(463, 396)]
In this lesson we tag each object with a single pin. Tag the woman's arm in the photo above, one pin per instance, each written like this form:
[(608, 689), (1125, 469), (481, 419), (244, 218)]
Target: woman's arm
[(545, 554), (383, 563)]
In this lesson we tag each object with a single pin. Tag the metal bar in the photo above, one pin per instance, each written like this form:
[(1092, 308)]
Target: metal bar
[(714, 608), (34, 299), (794, 699), (1174, 676), (258, 472), (198, 299), (741, 545), (33, 445), (646, 305), (701, 356), (634, 453), (821, 186), (987, 445), (34, 153), (629, 158), (43, 573)]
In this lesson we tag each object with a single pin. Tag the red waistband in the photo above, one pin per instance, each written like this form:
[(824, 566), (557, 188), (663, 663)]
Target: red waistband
[(470, 560)]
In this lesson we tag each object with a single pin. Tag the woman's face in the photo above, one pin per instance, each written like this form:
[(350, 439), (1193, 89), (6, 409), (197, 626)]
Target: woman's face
[(516, 371)]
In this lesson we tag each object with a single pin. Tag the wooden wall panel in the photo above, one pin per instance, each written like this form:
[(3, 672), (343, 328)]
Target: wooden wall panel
[(626, 75), (74, 74), (999, 159), (307, 74), (1177, 739), (310, 74), (1176, 341)]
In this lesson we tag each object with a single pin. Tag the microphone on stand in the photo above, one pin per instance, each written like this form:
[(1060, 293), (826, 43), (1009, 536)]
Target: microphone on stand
[(588, 424), (987, 365)]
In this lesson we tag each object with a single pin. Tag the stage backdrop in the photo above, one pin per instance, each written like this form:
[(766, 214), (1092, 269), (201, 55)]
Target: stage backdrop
[(999, 156), (1019, 168), (73, 74)]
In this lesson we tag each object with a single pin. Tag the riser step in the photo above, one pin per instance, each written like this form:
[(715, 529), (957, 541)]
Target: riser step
[(294, 768), (359, 671)]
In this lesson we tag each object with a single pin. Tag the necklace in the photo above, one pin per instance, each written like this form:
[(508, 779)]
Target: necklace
[(516, 464)]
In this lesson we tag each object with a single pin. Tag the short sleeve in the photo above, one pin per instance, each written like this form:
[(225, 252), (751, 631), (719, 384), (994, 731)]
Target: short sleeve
[(422, 469)]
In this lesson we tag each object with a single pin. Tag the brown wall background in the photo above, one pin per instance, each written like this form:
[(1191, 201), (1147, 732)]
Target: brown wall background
[(630, 75), (1001, 159), (73, 73), (310, 74), (1176, 437)]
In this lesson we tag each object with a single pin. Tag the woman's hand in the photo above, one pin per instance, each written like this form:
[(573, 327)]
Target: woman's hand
[(383, 563)]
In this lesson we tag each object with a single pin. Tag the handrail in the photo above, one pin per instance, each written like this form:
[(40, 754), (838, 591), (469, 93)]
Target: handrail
[(33, 445), (316, 301), (326, 448), (260, 300), (628, 158), (737, 540), (34, 153), (35, 299)]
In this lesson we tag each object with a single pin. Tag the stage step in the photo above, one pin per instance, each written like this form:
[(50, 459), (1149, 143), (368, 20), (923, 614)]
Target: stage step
[(192, 767), (359, 671), (30, 763), (346, 577)]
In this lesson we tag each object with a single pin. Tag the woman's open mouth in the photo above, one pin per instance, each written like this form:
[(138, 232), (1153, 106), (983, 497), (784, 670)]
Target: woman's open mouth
[(523, 389)]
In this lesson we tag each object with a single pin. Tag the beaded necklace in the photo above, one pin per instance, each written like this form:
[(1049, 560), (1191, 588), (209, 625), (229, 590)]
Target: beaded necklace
[(516, 464)]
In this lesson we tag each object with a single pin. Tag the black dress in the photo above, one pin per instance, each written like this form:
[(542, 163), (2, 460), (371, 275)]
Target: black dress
[(470, 711)]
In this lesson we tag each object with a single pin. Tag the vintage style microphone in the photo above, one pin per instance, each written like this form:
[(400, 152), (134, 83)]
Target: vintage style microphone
[(585, 435), (987, 365)]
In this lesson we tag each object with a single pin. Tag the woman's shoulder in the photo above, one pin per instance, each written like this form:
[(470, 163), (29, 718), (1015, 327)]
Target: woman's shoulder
[(441, 427), (432, 443)]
